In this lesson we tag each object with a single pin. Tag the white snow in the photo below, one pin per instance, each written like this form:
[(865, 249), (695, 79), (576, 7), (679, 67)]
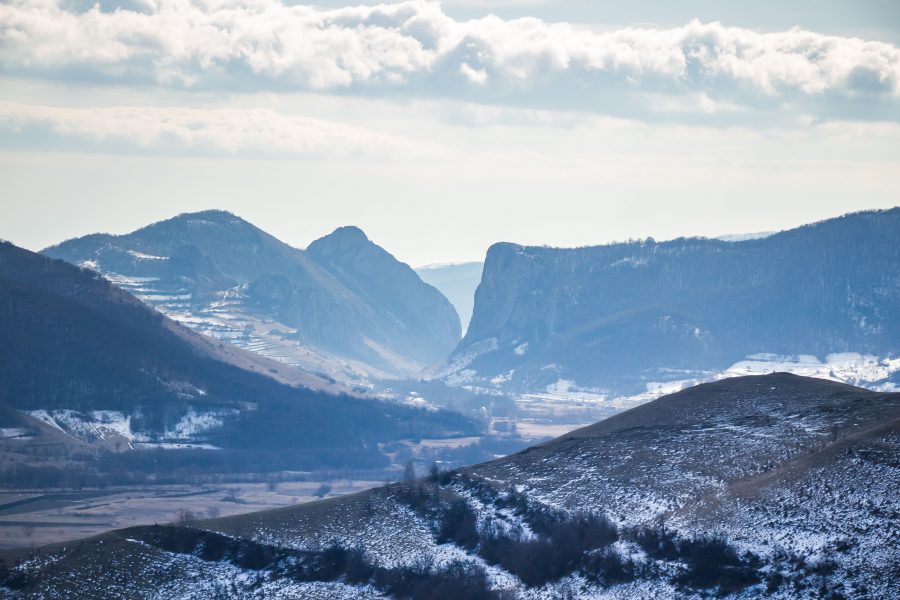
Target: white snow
[(194, 423), (143, 256), (88, 426), (105, 424), (848, 367), (13, 432)]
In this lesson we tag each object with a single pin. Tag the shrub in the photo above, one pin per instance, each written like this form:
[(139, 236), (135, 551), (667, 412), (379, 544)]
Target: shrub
[(712, 562), (607, 567)]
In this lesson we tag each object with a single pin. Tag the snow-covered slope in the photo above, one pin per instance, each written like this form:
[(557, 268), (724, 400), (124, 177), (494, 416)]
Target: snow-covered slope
[(344, 308), (761, 486)]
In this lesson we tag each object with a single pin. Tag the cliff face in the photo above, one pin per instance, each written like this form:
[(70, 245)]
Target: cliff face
[(617, 316), (345, 308)]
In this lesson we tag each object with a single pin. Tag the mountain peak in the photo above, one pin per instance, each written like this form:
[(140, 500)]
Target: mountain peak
[(212, 219), (347, 234), (342, 239), (373, 273), (349, 231), (214, 215)]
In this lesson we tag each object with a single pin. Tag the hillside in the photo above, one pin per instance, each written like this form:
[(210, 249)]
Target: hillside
[(422, 324), (122, 383), (345, 309), (626, 318), (771, 486)]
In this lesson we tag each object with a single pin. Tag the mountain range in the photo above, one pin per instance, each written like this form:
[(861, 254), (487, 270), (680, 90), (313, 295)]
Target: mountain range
[(626, 318), (344, 308), (88, 372), (773, 486)]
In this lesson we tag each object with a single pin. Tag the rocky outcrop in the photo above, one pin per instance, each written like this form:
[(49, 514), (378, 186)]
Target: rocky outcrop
[(618, 316)]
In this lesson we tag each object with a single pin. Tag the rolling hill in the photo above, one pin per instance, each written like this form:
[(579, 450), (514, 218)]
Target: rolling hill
[(768, 486)]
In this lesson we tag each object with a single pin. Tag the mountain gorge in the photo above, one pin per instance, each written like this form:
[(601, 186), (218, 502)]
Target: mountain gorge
[(344, 309), (622, 318), (89, 373), (770, 486), (458, 282)]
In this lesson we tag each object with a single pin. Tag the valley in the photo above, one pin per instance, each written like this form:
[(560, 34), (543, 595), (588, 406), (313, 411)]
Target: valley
[(774, 485), (216, 294), (32, 518), (449, 300)]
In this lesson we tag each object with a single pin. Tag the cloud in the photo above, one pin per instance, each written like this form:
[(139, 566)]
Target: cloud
[(414, 48), (219, 131)]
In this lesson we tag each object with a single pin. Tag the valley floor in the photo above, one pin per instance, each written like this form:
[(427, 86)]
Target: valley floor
[(32, 518)]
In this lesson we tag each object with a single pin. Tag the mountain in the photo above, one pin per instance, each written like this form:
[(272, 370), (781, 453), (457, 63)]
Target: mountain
[(344, 309), (772, 486), (82, 358), (458, 283), (419, 323), (627, 318)]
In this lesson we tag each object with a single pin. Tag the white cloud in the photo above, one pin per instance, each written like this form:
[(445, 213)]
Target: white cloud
[(223, 130), (476, 76), (415, 48)]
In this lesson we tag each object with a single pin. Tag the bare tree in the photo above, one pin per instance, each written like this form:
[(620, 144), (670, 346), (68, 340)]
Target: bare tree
[(409, 471), (186, 517)]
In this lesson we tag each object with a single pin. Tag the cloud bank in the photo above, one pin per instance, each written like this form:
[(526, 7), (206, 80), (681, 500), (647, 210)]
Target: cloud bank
[(229, 131), (414, 48)]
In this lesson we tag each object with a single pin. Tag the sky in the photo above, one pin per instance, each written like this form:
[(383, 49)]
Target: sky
[(441, 128)]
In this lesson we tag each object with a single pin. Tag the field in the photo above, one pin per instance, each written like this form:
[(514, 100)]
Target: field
[(31, 519)]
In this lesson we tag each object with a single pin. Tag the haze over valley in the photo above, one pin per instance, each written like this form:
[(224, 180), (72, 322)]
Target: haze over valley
[(449, 299)]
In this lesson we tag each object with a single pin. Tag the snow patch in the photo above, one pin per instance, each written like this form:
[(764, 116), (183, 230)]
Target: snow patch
[(194, 423), (847, 367), (13, 432), (87, 426), (143, 256)]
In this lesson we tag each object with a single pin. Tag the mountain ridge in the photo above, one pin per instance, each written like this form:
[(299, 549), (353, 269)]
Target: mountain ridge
[(684, 309), (223, 276)]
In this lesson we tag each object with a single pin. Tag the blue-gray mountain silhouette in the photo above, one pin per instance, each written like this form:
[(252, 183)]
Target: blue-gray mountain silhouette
[(71, 341), (345, 308), (618, 316)]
